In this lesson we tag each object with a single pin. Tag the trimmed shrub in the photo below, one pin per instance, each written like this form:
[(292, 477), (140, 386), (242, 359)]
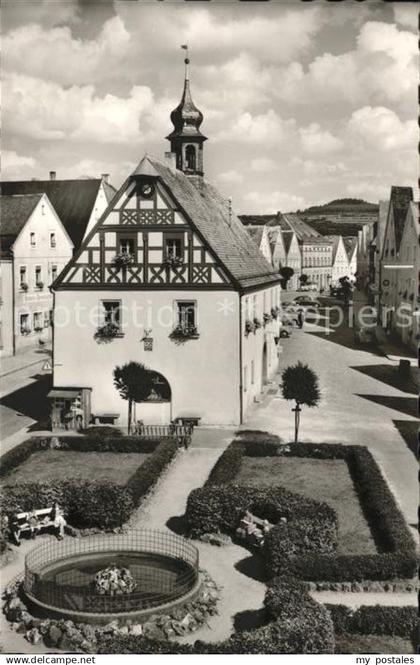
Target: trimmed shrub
[(147, 474), (398, 557), (375, 620), (90, 503), (287, 541), (102, 431), (310, 525), (20, 454)]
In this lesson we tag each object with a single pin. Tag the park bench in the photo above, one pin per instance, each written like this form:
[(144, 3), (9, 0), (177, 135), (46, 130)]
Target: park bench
[(253, 529), (20, 522)]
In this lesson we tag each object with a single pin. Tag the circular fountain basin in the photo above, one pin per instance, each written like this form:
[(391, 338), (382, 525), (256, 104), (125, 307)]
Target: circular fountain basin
[(59, 576)]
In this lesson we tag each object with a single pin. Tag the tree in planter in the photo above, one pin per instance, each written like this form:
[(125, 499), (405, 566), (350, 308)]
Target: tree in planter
[(300, 383), (303, 279), (134, 383), (346, 288), (286, 274)]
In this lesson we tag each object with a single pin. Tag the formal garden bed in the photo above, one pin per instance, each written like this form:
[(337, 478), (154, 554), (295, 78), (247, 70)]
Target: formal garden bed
[(220, 504), (97, 481)]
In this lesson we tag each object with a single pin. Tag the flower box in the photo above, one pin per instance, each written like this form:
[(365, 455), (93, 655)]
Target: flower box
[(25, 330), (40, 285), (182, 333), (108, 331), (24, 286), (123, 260), (257, 323), (173, 262), (249, 327)]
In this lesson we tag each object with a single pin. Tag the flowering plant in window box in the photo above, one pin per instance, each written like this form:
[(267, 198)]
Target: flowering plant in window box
[(40, 285), (173, 261), (123, 259), (107, 332), (249, 327), (257, 323), (24, 286), (267, 318), (25, 330), (38, 328), (183, 332)]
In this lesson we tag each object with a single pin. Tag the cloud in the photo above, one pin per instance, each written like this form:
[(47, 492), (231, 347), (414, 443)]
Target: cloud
[(381, 129), (15, 166), (260, 128), (260, 202), (263, 165), (383, 68), (46, 111), (407, 15), (55, 55), (230, 177), (318, 141)]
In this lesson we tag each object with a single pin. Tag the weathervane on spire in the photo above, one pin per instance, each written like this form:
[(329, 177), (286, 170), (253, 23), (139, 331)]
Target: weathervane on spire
[(187, 60)]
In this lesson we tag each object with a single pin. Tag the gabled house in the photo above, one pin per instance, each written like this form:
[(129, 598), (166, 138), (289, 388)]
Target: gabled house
[(35, 247), (350, 244), (408, 280), (400, 202), (340, 261), (177, 284), (78, 202), (315, 249), (293, 257), (278, 250), (259, 235)]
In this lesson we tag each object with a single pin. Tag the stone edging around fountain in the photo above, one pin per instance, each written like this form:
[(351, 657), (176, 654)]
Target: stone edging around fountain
[(189, 615)]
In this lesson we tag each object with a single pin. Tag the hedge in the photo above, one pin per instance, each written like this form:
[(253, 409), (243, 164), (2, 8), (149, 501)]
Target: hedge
[(301, 525), (375, 620), (397, 556), (295, 624), (90, 503)]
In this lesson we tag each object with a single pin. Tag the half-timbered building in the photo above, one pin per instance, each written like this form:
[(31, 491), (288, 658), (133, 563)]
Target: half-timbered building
[(170, 278)]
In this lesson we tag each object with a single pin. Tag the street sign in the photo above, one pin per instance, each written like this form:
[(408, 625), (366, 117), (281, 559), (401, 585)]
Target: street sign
[(47, 366)]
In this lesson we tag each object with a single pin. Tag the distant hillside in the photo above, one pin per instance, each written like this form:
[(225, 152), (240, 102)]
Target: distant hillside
[(327, 227), (256, 220), (344, 206)]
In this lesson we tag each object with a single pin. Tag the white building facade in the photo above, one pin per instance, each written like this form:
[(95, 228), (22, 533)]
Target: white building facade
[(171, 271)]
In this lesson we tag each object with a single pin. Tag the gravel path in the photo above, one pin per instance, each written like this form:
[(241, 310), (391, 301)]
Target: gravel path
[(240, 592)]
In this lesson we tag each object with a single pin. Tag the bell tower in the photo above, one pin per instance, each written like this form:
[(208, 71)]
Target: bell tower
[(186, 139)]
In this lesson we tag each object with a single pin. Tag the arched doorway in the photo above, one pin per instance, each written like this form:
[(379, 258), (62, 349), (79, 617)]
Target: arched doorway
[(264, 365), (156, 409)]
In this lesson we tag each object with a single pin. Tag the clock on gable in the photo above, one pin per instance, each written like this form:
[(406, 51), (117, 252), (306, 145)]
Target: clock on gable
[(146, 190)]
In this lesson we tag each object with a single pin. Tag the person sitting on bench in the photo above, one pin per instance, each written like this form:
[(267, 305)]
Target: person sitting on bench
[(57, 517), (33, 523)]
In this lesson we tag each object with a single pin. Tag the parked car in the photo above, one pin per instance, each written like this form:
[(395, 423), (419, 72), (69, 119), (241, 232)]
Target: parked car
[(307, 301), (309, 286)]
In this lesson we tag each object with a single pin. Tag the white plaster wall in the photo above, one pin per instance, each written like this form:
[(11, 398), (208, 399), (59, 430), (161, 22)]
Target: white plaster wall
[(42, 222), (6, 308), (101, 203), (203, 373), (253, 344)]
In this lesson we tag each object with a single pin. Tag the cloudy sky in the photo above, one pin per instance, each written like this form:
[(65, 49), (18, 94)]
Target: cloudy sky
[(303, 102)]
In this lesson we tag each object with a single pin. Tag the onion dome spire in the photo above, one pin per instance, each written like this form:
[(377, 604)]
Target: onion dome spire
[(186, 138)]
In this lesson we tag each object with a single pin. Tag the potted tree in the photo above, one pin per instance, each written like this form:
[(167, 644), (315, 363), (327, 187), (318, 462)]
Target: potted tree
[(134, 383), (286, 273), (300, 383)]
